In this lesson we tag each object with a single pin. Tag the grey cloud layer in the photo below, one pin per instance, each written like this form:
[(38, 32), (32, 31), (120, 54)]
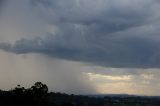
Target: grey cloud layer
[(104, 32)]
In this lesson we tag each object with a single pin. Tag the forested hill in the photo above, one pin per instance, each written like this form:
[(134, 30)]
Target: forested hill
[(38, 95)]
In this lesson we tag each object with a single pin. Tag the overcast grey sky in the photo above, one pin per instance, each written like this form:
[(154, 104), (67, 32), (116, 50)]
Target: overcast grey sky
[(82, 46)]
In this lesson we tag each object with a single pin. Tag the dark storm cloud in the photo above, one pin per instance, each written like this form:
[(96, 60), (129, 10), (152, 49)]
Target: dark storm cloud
[(129, 52), (2, 3), (98, 17), (103, 32)]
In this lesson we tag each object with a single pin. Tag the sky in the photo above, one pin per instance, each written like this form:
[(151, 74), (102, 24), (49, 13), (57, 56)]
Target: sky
[(81, 46)]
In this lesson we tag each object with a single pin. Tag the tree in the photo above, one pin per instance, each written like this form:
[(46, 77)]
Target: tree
[(39, 89), (39, 93)]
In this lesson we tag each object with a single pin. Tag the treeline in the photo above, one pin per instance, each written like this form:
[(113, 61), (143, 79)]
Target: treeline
[(38, 95)]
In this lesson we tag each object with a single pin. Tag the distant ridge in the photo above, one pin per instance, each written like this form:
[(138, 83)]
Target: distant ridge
[(121, 95)]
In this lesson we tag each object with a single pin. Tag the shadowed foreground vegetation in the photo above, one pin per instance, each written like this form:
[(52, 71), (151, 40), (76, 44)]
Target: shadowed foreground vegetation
[(38, 95)]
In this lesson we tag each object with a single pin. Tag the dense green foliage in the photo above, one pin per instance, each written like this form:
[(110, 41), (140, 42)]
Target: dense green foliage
[(38, 95)]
